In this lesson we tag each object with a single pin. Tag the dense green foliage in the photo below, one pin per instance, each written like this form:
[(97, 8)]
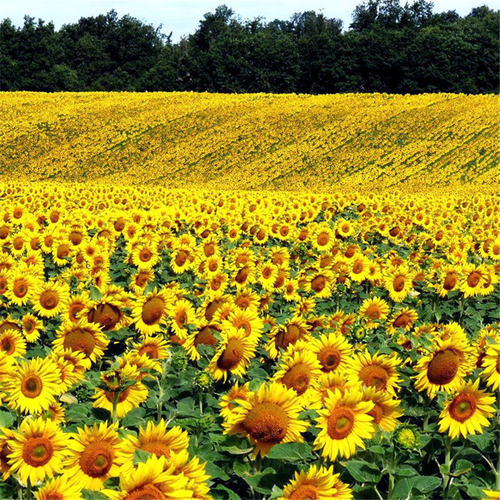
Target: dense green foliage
[(387, 48)]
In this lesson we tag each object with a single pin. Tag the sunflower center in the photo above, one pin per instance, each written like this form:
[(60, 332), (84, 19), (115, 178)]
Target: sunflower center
[(358, 267), (304, 492), (322, 239), (31, 386), (450, 280), (97, 458), (37, 451), (398, 283), (8, 345), (159, 448), (462, 407), (330, 358), (318, 283), (242, 275), (473, 279), (145, 255), (377, 413), (443, 367), (150, 350), (374, 376), (146, 492), (205, 337), (402, 321), (266, 423), (373, 311), (49, 299), (298, 378), (106, 315), (152, 310), (80, 340), (232, 355), (20, 289), (340, 423)]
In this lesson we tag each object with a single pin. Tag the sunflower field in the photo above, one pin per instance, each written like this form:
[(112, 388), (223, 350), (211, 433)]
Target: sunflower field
[(312, 314)]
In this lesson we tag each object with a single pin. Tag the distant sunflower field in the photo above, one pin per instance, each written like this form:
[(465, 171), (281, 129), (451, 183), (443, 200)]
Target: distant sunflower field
[(169, 331)]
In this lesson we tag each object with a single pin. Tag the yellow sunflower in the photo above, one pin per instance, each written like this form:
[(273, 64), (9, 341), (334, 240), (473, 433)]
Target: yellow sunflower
[(93, 456), (282, 336), (31, 326), (378, 371), (50, 298), (230, 400), (374, 310), (472, 280), (247, 320), (12, 343), (154, 479), (318, 483), (233, 355), (155, 439), (32, 386), (333, 351), (21, 286), (491, 366), (444, 367), (468, 412), (385, 411), (399, 282), (182, 313), (150, 312), (125, 399), (270, 416), (81, 336), (38, 449), (344, 424), (59, 488)]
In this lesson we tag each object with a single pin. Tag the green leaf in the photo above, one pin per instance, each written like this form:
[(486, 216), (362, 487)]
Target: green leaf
[(134, 417), (216, 472), (426, 484), (231, 495), (141, 456), (290, 452), (481, 440), (234, 450), (6, 419), (406, 471), (403, 488), (94, 495), (363, 472)]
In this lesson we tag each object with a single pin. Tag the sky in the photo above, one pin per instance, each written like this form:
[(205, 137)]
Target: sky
[(181, 17)]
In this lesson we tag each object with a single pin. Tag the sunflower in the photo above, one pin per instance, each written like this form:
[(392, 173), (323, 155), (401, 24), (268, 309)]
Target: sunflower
[(298, 370), (320, 283), (266, 274), (154, 479), (93, 456), (378, 371), (12, 343), (153, 346), (399, 282), (344, 228), (6, 435), (145, 255), (491, 366), (344, 424), (76, 304), (37, 450), (319, 483), (330, 381), (282, 336), (76, 360), (246, 320), (55, 412), (404, 318), (444, 367), (21, 286), (233, 355), (468, 411), (81, 336), (125, 399), (333, 351), (150, 312), (155, 439), (472, 280), (32, 386), (374, 310), (181, 314), (323, 238), (358, 267), (268, 417), (181, 260), (50, 298), (230, 400), (31, 326), (449, 278), (59, 488), (386, 409)]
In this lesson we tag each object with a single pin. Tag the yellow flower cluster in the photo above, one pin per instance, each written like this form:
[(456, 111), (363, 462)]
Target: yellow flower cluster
[(355, 141)]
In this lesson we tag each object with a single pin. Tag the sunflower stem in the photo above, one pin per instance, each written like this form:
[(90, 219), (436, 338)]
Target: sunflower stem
[(447, 462), (116, 397)]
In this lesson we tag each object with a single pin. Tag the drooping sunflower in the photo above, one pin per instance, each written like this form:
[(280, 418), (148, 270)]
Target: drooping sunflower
[(318, 483), (333, 351), (50, 298), (154, 479), (444, 367), (150, 312), (156, 439), (81, 336), (468, 412), (491, 366), (233, 355), (93, 456), (270, 416), (344, 423), (32, 386), (125, 399), (38, 449), (59, 488), (378, 371), (385, 411)]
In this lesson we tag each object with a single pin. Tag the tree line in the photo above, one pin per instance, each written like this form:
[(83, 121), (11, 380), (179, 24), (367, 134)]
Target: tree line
[(388, 47)]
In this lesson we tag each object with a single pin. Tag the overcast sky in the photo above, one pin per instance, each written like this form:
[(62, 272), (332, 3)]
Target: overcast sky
[(181, 17)]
